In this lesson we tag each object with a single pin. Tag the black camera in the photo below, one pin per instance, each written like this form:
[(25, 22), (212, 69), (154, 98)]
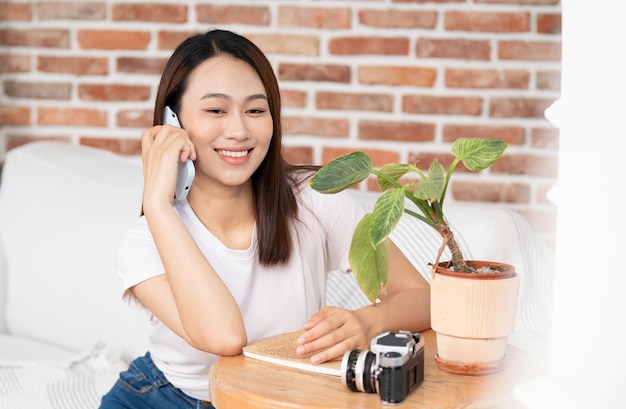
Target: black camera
[(393, 367)]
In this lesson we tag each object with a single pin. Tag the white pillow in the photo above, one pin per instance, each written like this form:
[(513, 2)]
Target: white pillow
[(63, 209)]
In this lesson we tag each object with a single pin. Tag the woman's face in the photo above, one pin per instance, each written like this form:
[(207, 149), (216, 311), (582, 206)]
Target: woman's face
[(226, 113)]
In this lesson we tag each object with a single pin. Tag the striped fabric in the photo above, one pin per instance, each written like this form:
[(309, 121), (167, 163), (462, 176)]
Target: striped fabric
[(74, 384)]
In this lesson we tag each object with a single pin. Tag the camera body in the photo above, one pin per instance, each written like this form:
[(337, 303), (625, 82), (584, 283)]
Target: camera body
[(393, 367)]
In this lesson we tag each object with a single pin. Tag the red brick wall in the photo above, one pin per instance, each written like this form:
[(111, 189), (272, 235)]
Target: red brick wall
[(400, 79)]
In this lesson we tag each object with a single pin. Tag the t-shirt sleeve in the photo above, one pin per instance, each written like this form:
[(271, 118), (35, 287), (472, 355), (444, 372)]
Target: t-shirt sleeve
[(136, 260), (339, 213)]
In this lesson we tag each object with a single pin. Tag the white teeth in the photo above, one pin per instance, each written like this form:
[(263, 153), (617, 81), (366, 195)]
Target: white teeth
[(233, 154)]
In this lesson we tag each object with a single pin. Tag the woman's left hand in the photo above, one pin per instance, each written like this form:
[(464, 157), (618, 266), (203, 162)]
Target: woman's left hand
[(332, 331)]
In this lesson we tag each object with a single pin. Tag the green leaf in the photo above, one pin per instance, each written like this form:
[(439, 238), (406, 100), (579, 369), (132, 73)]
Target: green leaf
[(342, 172), (395, 171), (387, 212), (478, 153), (432, 186), (369, 263)]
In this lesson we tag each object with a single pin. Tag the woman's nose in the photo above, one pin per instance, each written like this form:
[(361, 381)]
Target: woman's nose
[(236, 127)]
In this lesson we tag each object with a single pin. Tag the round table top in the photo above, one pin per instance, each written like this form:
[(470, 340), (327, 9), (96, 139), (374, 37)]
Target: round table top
[(242, 383)]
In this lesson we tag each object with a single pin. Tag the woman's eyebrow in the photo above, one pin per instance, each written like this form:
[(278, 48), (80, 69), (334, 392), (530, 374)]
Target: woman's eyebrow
[(228, 97)]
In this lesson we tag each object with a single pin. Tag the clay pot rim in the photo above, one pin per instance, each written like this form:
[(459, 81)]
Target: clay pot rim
[(507, 270)]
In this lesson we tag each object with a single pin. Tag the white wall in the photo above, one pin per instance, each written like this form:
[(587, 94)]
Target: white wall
[(589, 350)]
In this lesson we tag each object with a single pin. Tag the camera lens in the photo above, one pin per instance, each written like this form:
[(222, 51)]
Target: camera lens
[(367, 380), (358, 370), (348, 369)]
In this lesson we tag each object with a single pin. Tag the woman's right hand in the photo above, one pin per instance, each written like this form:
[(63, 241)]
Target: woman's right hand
[(163, 146)]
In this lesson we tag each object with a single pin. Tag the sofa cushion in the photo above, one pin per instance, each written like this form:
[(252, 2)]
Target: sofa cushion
[(21, 349), (63, 209)]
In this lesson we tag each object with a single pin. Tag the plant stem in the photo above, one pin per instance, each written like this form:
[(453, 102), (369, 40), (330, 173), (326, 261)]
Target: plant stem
[(458, 261), (391, 180)]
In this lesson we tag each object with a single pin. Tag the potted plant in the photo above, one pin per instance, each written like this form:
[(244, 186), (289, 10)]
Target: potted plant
[(473, 303)]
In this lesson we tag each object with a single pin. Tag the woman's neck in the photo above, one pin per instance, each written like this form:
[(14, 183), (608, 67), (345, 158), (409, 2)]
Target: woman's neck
[(228, 213)]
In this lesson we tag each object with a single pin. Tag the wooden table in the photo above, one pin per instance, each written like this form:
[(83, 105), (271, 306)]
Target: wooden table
[(243, 383)]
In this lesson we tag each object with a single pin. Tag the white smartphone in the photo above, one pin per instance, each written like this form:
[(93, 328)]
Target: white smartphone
[(186, 170)]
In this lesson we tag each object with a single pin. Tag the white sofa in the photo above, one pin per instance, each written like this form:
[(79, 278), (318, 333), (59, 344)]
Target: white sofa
[(64, 332)]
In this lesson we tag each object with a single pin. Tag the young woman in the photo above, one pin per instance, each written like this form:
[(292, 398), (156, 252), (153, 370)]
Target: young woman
[(245, 256)]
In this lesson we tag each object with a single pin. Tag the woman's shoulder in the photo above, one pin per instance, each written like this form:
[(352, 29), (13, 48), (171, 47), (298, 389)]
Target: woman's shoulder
[(328, 203)]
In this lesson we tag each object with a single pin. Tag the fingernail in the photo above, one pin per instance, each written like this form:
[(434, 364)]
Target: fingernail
[(315, 359)]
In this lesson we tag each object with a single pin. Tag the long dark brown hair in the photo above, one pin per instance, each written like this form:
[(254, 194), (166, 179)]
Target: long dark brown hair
[(274, 181)]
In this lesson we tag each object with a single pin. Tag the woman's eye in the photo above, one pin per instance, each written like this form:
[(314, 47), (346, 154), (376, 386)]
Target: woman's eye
[(215, 111), (256, 111)]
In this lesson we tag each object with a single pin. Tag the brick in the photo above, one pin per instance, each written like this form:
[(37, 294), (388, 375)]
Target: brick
[(534, 51), (527, 164), (293, 98), (486, 78), (453, 48), (513, 135), (14, 115), (290, 44), (154, 12), (248, 15), (335, 18), (47, 38), (113, 92), (369, 46), (135, 118), (541, 194), (14, 63), (71, 117), (113, 39), (169, 40), (495, 192), (314, 72), (545, 138), (426, 104), (549, 23), (487, 22), (354, 102), (398, 18), (68, 10), (424, 159), (13, 141), (379, 157), (121, 146), (550, 80), (73, 65), (138, 65), (397, 75), (396, 131), (295, 125), (519, 107), (298, 155), (38, 90), (13, 11)]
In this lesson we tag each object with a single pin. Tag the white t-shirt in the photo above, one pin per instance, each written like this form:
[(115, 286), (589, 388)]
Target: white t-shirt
[(272, 300)]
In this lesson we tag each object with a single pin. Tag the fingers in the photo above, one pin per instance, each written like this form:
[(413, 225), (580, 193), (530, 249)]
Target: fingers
[(331, 332), (162, 140), (162, 147)]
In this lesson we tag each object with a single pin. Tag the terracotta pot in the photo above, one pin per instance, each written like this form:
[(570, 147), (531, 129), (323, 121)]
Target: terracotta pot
[(473, 314)]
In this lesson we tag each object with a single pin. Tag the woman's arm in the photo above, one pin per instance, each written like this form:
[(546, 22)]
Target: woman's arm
[(190, 298), (405, 305)]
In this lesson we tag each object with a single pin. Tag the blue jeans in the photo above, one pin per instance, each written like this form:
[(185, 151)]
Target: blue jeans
[(143, 386)]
